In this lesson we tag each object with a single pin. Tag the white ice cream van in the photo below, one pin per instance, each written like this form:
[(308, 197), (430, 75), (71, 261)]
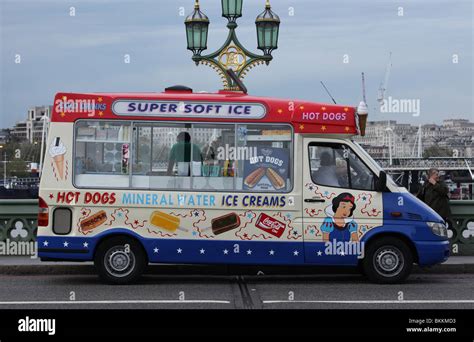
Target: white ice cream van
[(223, 178)]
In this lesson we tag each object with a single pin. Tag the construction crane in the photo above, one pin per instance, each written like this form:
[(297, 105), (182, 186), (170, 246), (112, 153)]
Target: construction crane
[(363, 88), (418, 144), (383, 86)]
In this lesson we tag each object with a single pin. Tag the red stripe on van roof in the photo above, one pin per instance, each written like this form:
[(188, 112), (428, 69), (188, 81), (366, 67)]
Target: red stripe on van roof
[(304, 116)]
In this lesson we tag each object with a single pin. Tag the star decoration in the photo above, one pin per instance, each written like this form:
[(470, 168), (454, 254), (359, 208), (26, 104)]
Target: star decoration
[(64, 98), (323, 108), (295, 253), (346, 109), (301, 107), (86, 244), (155, 250), (202, 251), (51, 196), (280, 111), (323, 128), (66, 244), (226, 251), (272, 252), (62, 114), (347, 128), (179, 250), (100, 99), (301, 127), (101, 113), (45, 243), (249, 252), (249, 215), (320, 253)]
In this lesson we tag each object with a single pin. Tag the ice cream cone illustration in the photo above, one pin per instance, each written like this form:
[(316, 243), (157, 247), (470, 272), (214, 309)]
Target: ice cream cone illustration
[(57, 150)]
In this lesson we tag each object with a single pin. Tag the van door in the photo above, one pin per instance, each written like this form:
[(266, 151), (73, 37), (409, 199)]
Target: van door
[(340, 203)]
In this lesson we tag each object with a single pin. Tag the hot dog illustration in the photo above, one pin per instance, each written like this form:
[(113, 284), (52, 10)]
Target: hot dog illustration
[(254, 177), (93, 221), (277, 181)]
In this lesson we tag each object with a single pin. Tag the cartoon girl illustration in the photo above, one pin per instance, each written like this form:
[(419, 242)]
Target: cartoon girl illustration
[(339, 224)]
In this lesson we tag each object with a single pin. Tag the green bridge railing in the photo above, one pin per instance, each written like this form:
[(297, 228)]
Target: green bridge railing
[(18, 222)]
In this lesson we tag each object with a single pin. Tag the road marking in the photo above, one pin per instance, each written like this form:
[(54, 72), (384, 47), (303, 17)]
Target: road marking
[(116, 302), (447, 301)]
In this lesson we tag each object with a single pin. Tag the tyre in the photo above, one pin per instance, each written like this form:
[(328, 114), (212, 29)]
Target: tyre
[(120, 260), (388, 260)]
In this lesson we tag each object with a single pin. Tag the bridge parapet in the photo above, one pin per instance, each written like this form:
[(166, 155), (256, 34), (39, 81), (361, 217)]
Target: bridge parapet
[(18, 222)]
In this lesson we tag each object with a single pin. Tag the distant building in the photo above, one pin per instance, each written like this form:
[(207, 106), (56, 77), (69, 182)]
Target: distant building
[(453, 134), (4, 136), (31, 129)]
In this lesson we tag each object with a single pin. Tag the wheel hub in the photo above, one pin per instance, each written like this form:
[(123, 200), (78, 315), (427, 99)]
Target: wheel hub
[(119, 262), (388, 261)]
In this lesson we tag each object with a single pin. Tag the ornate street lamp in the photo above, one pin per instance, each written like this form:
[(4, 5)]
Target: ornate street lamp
[(232, 55), (197, 27), (232, 9), (268, 24)]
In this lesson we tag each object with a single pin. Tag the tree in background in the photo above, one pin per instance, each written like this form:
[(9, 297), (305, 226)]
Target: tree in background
[(19, 154), (437, 151)]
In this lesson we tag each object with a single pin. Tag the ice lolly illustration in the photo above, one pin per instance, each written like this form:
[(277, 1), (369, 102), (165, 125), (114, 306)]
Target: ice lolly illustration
[(166, 221), (57, 150), (224, 223)]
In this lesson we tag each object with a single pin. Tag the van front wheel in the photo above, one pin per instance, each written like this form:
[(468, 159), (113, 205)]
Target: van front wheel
[(120, 260), (388, 261)]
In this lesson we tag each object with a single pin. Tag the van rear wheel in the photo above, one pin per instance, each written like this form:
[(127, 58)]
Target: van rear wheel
[(120, 260), (388, 261)]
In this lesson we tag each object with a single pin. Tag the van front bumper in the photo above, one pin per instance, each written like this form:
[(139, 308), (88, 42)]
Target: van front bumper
[(432, 252)]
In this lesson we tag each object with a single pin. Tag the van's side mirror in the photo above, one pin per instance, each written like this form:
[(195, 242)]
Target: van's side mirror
[(381, 182)]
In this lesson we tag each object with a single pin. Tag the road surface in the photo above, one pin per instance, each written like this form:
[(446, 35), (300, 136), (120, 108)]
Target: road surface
[(190, 291)]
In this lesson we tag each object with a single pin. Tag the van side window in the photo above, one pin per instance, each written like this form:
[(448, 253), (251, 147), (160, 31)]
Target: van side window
[(204, 156), (165, 156), (184, 156), (336, 165), (102, 153), (266, 164)]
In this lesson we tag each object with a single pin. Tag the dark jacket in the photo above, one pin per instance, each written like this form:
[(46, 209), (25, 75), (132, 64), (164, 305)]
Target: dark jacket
[(436, 196)]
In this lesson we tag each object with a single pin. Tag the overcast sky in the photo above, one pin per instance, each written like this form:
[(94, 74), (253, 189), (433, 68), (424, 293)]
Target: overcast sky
[(85, 52)]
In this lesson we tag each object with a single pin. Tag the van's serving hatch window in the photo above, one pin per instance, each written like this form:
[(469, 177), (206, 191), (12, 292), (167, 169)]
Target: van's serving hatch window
[(184, 156)]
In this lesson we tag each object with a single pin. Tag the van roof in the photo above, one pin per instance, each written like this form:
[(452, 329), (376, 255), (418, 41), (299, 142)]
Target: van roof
[(181, 104)]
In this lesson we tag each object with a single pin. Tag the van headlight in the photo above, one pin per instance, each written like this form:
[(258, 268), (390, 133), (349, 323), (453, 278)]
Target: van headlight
[(438, 228)]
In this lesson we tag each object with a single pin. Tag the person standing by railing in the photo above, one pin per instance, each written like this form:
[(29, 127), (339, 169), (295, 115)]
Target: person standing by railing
[(434, 192)]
